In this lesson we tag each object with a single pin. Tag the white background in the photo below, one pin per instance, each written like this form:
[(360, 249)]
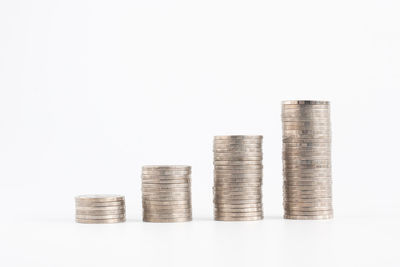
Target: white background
[(92, 90)]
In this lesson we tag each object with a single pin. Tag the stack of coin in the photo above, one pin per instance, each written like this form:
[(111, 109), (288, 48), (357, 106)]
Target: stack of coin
[(307, 160), (166, 193), (100, 209), (238, 178)]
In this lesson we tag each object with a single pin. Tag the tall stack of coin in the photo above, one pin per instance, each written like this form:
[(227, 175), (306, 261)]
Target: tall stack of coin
[(238, 178), (166, 193), (307, 160), (100, 209)]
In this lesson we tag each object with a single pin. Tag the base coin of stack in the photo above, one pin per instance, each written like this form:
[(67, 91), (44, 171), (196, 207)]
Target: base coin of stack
[(238, 178), (166, 193), (306, 155), (100, 209)]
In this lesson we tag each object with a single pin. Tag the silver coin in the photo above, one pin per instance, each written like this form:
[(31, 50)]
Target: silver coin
[(238, 146), (307, 187), (237, 158), (167, 207), (238, 141), (167, 220), (100, 212), (166, 216), (159, 202), (238, 206), (176, 181), (164, 209), (165, 186), (236, 137), (238, 173), (166, 167), (146, 198), (247, 218), (319, 217), (99, 204), (95, 209), (238, 168), (237, 162), (238, 180), (309, 213), (297, 208), (99, 198), (238, 214), (322, 204), (238, 150), (306, 195), (165, 177), (99, 217), (167, 173), (229, 210), (238, 193), (309, 123), (120, 220), (233, 202), (327, 183), (305, 102), (166, 194), (166, 213)]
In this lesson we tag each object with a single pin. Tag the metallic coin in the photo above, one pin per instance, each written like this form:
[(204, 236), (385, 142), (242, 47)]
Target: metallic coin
[(166, 167), (307, 204), (99, 209), (238, 180), (99, 217), (238, 168), (99, 198), (247, 218), (166, 186), (167, 194), (237, 137), (167, 172), (165, 189), (309, 213), (326, 183), (152, 220), (236, 185), (237, 162), (238, 174), (120, 220), (309, 194), (238, 193), (309, 123), (238, 206), (318, 217), (238, 154), (320, 208), (307, 188), (305, 102), (166, 207), (176, 181), (100, 212), (237, 158), (218, 197), (229, 210), (238, 141), (238, 151), (239, 145), (99, 204), (159, 202), (166, 216), (165, 177), (234, 202), (238, 214)]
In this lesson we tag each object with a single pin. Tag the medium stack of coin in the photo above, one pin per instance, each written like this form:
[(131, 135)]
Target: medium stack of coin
[(238, 178), (100, 209), (166, 193), (306, 155)]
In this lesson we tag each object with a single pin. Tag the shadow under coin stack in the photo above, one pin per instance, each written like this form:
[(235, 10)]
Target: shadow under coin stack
[(100, 209), (307, 160), (166, 193), (238, 178)]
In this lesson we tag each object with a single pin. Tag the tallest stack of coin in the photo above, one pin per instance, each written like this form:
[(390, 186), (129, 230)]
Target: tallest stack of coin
[(307, 160), (238, 178)]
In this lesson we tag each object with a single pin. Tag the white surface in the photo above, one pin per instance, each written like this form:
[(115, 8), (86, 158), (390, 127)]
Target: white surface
[(92, 90)]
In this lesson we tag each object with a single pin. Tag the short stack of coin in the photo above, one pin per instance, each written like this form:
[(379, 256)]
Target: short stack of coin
[(238, 178), (307, 160), (166, 193), (100, 209)]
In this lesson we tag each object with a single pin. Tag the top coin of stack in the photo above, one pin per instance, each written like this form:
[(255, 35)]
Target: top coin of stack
[(100, 209), (238, 178), (166, 193), (307, 160)]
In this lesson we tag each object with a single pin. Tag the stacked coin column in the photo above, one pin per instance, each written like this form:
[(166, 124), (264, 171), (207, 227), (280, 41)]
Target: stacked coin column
[(307, 160), (100, 209), (166, 193), (238, 178)]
